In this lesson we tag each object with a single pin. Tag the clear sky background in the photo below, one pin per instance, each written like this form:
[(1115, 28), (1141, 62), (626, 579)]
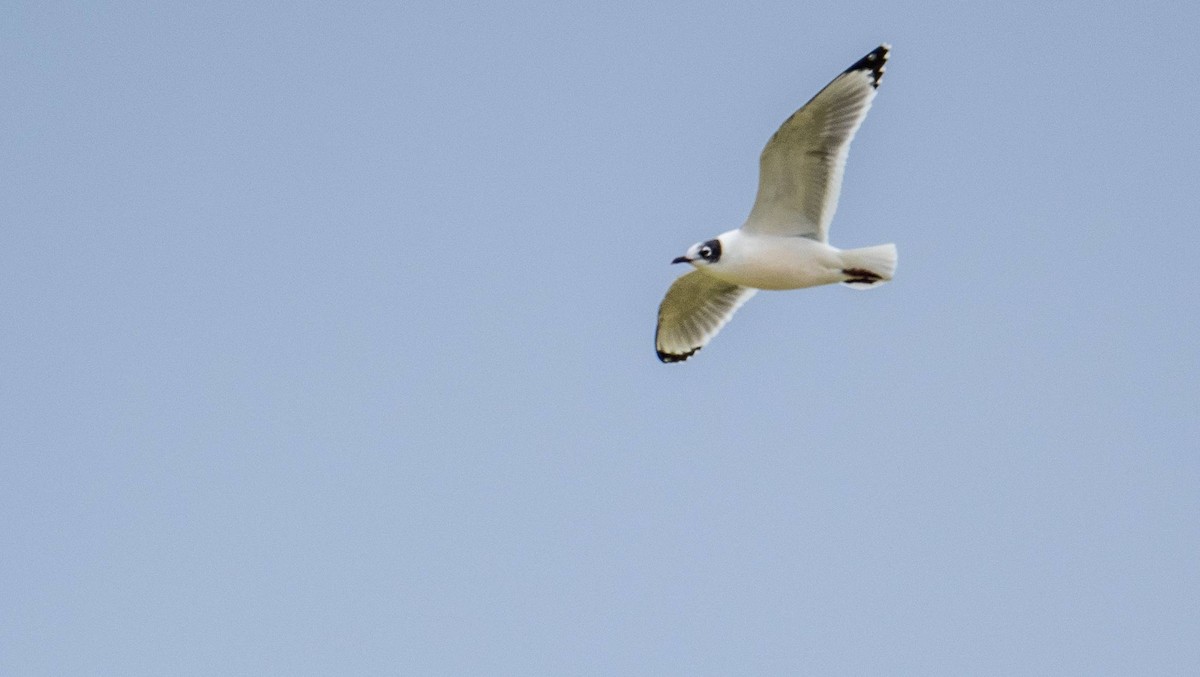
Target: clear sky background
[(327, 343)]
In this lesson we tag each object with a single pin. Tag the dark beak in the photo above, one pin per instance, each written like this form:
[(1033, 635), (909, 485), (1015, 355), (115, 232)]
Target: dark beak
[(681, 259)]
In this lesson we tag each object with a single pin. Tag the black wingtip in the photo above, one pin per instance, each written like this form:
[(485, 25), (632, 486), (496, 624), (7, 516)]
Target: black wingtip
[(873, 63), (668, 358)]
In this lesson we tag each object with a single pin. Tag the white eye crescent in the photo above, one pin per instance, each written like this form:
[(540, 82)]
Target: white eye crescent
[(706, 252)]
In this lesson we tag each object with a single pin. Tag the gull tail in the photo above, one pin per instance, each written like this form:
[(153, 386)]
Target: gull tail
[(868, 267)]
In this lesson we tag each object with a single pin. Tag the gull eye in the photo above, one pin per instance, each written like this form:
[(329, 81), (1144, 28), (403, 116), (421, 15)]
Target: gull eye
[(706, 252)]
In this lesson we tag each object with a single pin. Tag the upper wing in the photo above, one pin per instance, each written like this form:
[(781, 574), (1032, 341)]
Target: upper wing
[(695, 308), (800, 171)]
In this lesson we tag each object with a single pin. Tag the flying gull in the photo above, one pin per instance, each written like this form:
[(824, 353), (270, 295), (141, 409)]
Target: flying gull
[(784, 243)]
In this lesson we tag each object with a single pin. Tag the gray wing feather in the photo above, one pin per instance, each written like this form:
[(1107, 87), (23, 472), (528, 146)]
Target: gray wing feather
[(695, 308), (801, 167)]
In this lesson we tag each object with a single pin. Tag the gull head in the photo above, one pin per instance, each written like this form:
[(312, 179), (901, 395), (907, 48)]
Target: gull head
[(702, 253)]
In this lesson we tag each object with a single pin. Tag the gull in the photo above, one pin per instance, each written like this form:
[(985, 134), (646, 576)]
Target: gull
[(784, 243)]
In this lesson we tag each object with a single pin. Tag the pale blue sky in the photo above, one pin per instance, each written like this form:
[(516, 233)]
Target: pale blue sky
[(328, 343)]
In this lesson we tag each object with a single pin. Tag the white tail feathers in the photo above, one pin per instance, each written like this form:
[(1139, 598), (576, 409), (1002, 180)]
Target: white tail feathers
[(868, 267)]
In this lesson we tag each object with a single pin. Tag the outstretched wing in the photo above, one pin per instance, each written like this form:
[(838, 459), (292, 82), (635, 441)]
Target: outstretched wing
[(694, 310), (800, 171)]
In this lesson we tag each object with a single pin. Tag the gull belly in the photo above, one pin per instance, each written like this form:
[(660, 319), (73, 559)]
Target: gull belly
[(776, 262)]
